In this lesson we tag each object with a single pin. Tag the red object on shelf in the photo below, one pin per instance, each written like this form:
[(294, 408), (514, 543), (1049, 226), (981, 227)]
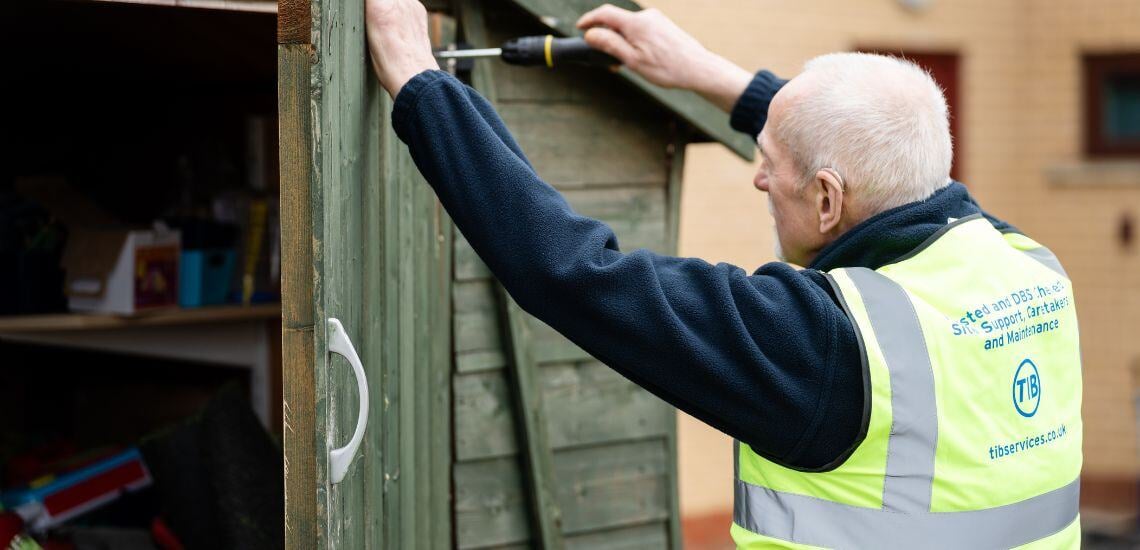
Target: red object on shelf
[(10, 526), (59, 497), (92, 492), (163, 536)]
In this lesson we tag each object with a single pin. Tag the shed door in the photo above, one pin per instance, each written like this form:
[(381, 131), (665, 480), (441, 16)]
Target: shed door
[(363, 242)]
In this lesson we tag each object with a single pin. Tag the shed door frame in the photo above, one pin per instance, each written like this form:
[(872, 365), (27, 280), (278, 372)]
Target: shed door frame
[(363, 241)]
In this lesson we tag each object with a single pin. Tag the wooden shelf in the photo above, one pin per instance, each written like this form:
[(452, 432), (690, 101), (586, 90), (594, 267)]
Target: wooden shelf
[(256, 6), (64, 322)]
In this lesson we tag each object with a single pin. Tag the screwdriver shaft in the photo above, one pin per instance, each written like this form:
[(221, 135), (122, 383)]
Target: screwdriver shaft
[(465, 54)]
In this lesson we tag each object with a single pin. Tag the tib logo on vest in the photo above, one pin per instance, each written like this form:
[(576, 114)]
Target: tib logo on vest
[(1026, 389)]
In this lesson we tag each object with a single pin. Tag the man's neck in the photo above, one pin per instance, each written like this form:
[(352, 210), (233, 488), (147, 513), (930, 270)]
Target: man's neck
[(886, 236)]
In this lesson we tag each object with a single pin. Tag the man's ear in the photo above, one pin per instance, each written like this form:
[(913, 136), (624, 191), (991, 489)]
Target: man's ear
[(828, 199)]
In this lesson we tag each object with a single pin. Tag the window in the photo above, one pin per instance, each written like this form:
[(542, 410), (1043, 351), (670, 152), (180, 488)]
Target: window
[(1112, 105)]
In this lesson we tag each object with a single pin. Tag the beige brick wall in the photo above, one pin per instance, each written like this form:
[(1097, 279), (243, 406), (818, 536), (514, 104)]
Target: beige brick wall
[(1020, 117)]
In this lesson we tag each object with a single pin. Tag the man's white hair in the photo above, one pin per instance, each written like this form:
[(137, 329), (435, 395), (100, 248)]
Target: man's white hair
[(880, 122)]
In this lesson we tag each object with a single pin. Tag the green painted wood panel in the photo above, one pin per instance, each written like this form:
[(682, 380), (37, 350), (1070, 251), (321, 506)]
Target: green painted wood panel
[(367, 243), (587, 403), (638, 537), (619, 150), (600, 488)]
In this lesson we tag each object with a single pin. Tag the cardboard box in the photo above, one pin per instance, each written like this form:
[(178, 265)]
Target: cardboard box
[(122, 271)]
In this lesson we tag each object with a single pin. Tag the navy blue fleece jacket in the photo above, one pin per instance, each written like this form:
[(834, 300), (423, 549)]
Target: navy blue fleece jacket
[(768, 358)]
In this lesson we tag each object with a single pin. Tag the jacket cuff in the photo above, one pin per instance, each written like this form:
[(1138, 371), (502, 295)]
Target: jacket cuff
[(751, 110), (408, 97)]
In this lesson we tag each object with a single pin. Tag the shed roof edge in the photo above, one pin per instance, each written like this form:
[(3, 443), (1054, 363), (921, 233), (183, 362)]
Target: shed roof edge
[(561, 15)]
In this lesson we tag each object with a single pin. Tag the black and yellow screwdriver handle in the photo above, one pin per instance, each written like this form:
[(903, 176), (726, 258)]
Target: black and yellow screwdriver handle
[(551, 52)]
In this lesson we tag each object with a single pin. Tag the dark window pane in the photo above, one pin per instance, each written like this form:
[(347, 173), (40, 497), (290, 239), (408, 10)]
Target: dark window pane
[(1122, 107)]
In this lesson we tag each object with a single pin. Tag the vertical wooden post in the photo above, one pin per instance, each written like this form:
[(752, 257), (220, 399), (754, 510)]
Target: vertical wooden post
[(304, 515), (534, 445), (673, 190), (673, 228)]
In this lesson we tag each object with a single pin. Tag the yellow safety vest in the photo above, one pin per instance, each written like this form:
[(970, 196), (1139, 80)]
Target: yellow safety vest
[(972, 374)]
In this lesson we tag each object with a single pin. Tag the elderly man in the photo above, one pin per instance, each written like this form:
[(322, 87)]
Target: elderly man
[(917, 386)]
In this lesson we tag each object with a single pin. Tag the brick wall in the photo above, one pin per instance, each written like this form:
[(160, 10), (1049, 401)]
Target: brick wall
[(1020, 118)]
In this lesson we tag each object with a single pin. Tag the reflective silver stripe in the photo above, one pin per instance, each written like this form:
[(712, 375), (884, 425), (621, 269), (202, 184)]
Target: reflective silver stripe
[(817, 522), (914, 417), (1047, 259)]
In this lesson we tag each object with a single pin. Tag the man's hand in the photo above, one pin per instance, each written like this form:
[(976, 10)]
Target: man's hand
[(651, 45), (398, 41)]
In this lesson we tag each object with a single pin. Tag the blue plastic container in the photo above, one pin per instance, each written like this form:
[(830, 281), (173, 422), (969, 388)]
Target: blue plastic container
[(204, 276)]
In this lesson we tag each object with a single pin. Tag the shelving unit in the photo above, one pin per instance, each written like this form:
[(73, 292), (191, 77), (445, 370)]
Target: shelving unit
[(153, 78), (236, 336), (69, 322), (258, 6)]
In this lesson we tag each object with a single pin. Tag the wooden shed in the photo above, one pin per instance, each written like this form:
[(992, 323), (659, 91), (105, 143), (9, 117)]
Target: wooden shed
[(486, 429)]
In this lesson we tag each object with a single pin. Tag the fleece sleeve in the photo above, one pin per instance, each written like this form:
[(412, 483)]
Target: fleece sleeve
[(758, 357), (751, 110)]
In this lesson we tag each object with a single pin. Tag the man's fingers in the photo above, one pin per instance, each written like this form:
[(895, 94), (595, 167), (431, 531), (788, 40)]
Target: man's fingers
[(609, 41), (607, 15)]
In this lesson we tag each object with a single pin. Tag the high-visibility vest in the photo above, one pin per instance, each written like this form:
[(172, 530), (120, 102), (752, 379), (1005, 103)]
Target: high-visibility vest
[(972, 426)]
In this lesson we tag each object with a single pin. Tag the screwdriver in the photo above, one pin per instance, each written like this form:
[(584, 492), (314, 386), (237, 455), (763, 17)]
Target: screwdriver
[(539, 50)]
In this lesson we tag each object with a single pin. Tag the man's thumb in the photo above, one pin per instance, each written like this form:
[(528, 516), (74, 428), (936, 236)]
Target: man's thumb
[(609, 41)]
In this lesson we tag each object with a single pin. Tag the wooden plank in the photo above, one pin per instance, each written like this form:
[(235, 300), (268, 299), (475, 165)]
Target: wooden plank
[(439, 385), (391, 482), (348, 102), (476, 324), (673, 201), (478, 331), (468, 265), (561, 15), (673, 190), (490, 504), (637, 537), (401, 511), (302, 434), (65, 322), (484, 416), (383, 528), (417, 279), (305, 513), (587, 403), (600, 487), (613, 143), (479, 361), (294, 21), (474, 296), (610, 486), (421, 370)]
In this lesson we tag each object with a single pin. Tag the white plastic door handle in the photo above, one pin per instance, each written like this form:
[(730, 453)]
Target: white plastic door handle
[(340, 459)]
